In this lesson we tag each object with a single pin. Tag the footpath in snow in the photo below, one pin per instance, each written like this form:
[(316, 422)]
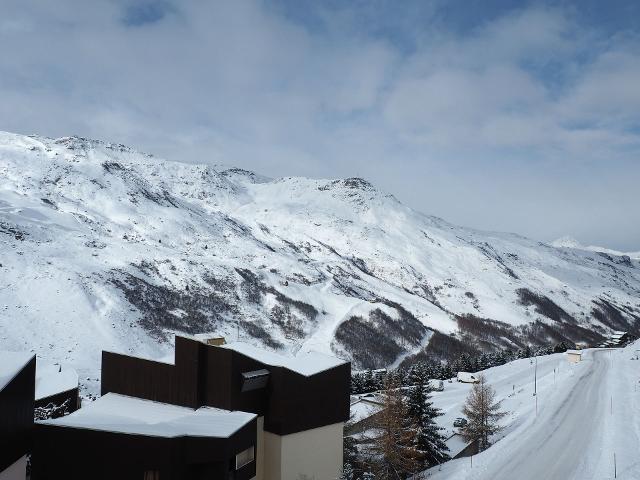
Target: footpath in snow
[(586, 413)]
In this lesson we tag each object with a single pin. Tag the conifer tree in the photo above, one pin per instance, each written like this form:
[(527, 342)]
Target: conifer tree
[(429, 440), (483, 413), (393, 452)]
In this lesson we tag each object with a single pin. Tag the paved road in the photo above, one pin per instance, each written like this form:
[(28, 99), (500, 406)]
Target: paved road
[(560, 438)]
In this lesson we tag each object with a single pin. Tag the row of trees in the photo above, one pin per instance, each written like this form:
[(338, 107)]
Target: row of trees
[(373, 380), (407, 440)]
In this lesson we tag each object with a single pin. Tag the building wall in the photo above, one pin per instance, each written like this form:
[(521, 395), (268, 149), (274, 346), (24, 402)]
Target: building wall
[(77, 454), (208, 375), (260, 449), (58, 399), (16, 415), (17, 471), (573, 358), (315, 453)]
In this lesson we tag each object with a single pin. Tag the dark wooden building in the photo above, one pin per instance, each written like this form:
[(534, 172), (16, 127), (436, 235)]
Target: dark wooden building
[(130, 438), (300, 405), (17, 385), (297, 394)]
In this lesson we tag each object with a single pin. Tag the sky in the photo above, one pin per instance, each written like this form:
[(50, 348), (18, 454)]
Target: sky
[(492, 114)]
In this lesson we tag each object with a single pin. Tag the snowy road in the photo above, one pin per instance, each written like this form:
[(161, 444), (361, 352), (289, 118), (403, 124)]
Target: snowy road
[(558, 441), (591, 413)]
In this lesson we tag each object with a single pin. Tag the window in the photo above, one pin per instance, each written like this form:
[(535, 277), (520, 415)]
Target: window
[(254, 380), (152, 475), (243, 458)]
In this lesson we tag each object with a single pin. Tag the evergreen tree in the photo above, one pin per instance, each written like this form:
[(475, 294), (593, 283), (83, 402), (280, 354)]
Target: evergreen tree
[(483, 413), (466, 363), (356, 384), (368, 382), (429, 441), (347, 472)]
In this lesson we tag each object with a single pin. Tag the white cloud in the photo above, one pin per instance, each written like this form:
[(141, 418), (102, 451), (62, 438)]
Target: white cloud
[(529, 93)]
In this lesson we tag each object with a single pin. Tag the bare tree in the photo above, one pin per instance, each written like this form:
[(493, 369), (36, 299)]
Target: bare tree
[(393, 453), (483, 413)]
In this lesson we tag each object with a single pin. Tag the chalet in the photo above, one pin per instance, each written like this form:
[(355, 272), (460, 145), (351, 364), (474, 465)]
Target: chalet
[(56, 387), (459, 447), (287, 415), (364, 410), (17, 379), (616, 339), (574, 356)]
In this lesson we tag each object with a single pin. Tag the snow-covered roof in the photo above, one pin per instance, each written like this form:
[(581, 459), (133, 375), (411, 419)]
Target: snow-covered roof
[(122, 414), (10, 365), (573, 352), (456, 444), (54, 379), (306, 364), (361, 409)]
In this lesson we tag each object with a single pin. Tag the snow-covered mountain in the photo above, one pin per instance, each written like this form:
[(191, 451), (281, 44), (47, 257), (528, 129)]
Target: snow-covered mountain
[(570, 242), (104, 247)]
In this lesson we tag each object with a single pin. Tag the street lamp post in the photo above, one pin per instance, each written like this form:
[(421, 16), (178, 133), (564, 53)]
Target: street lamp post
[(535, 378)]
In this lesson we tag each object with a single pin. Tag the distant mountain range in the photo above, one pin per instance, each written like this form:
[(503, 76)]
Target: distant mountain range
[(102, 246)]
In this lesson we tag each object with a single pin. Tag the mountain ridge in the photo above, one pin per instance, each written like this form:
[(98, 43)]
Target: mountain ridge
[(108, 247)]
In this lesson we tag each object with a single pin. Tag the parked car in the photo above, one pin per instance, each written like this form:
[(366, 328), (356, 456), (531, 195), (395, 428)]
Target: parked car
[(467, 377), (460, 422)]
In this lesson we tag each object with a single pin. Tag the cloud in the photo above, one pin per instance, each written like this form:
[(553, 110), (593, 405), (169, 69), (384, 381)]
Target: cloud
[(516, 100)]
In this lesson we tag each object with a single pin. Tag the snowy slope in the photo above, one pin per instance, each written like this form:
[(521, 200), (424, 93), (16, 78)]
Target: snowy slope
[(102, 246), (570, 242), (586, 412)]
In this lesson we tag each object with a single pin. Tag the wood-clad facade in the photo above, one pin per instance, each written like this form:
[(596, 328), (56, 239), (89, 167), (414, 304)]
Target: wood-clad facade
[(16, 415), (65, 453), (296, 415), (209, 375), (71, 397)]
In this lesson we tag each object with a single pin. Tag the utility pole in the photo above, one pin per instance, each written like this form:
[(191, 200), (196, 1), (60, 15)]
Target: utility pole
[(535, 379)]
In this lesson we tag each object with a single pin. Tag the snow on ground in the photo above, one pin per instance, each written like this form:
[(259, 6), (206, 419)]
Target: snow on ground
[(54, 379), (586, 413)]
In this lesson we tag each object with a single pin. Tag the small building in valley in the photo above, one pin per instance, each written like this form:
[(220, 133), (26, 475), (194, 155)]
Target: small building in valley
[(459, 447), (17, 380), (574, 356), (364, 409)]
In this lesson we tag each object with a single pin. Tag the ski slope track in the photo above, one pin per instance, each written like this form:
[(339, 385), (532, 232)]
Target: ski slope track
[(105, 247)]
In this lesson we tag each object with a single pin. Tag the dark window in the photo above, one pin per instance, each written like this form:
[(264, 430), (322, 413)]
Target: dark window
[(254, 380)]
